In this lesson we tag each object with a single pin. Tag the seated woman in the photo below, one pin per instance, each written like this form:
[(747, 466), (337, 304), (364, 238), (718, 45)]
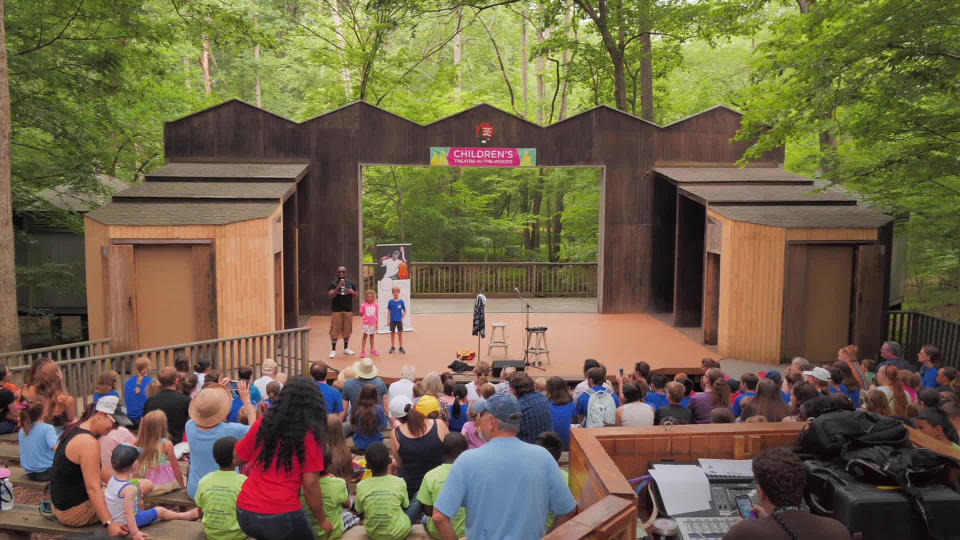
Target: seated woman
[(38, 441), (767, 403), (634, 412), (46, 384)]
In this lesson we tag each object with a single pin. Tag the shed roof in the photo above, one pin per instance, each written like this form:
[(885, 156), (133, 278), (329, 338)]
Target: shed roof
[(714, 175), (739, 194), (226, 191), (243, 172), (181, 213), (806, 217)]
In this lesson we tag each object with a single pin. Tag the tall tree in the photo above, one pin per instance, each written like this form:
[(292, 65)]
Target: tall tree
[(9, 320)]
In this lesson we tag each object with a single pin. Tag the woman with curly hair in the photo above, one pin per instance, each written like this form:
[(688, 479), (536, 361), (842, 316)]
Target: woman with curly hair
[(284, 450), (46, 384)]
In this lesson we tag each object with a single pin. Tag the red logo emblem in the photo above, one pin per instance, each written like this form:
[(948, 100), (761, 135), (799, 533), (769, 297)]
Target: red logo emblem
[(484, 132)]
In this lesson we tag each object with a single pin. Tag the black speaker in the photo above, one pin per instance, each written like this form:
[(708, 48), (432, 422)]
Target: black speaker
[(498, 366)]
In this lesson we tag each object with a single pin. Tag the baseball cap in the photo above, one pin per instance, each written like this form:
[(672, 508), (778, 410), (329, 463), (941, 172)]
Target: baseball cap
[(124, 455), (774, 376), (110, 405), (398, 406), (427, 405), (504, 407), (818, 373)]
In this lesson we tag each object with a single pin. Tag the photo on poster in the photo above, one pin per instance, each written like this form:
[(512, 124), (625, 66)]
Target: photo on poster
[(393, 270)]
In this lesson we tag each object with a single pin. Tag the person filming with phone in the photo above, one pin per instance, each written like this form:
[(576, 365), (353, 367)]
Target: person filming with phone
[(780, 481), (341, 292)]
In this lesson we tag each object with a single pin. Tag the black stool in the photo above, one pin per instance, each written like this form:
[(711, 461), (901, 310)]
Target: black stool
[(538, 349)]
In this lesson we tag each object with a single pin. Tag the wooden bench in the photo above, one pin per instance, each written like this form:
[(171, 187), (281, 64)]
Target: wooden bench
[(26, 519)]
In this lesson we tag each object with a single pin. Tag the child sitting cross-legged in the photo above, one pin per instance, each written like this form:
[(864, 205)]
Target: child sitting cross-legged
[(382, 498), (123, 494), (454, 444), (217, 495), (554, 444), (335, 498)]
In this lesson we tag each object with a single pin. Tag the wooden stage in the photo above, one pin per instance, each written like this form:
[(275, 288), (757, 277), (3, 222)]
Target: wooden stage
[(575, 332)]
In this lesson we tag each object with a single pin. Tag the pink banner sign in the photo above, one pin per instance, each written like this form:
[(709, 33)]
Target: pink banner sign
[(458, 156)]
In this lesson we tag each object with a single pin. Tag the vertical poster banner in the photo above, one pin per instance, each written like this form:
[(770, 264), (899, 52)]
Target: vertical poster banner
[(393, 270)]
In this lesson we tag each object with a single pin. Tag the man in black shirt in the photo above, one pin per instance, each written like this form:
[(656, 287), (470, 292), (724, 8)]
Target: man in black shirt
[(172, 402), (341, 292)]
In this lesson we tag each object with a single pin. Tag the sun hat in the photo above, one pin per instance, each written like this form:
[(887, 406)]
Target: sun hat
[(211, 405), (125, 455), (398, 406), (818, 373), (504, 407), (428, 404), (365, 368), (110, 406)]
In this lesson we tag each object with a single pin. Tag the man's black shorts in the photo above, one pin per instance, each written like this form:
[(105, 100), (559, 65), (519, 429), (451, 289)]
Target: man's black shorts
[(396, 326)]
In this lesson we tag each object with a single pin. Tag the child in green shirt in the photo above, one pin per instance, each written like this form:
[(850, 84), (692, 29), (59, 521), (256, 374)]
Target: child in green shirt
[(217, 495), (454, 444), (382, 498), (335, 497), (554, 444)]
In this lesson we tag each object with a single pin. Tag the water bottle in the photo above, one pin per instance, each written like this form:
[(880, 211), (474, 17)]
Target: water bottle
[(6, 490)]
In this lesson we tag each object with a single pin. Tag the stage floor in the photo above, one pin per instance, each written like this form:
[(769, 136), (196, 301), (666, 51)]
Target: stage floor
[(575, 332)]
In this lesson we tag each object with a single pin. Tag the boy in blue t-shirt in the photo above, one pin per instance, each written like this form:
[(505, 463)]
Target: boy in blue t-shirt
[(398, 311)]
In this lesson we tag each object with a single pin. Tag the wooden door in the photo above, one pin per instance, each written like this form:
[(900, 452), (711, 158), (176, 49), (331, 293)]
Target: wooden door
[(868, 321), (829, 287), (120, 298), (278, 290), (166, 306)]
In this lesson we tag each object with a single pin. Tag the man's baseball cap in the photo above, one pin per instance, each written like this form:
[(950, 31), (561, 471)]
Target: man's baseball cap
[(504, 407), (125, 455), (110, 406), (818, 373)]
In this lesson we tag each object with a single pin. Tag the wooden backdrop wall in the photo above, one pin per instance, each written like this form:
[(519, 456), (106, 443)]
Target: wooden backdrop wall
[(337, 145)]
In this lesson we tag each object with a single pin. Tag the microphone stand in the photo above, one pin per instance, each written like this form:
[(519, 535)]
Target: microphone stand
[(526, 308)]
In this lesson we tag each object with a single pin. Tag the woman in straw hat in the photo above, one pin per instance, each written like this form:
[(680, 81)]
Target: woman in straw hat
[(207, 424), (285, 451)]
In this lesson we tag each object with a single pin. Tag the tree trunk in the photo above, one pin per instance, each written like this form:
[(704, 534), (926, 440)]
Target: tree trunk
[(523, 63), (535, 210), (458, 55), (342, 42), (567, 20), (541, 87), (205, 65), (256, 68), (646, 79), (556, 227), (186, 72), (9, 320)]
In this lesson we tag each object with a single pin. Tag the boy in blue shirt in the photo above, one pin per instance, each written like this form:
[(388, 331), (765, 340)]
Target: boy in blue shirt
[(398, 311), (656, 397)]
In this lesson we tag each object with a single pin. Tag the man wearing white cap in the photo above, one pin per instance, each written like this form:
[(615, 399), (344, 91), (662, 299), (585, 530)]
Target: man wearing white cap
[(268, 370), (820, 378)]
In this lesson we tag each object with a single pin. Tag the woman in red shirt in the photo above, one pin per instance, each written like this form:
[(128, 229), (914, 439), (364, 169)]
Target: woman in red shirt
[(285, 451)]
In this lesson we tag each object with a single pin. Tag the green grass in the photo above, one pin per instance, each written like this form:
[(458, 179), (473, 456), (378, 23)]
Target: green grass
[(933, 300)]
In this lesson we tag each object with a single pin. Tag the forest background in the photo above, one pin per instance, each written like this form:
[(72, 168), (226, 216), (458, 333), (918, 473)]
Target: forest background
[(865, 94)]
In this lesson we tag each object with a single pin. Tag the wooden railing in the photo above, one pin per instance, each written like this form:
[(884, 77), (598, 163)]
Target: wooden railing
[(913, 330), (67, 351), (289, 348), (496, 278)]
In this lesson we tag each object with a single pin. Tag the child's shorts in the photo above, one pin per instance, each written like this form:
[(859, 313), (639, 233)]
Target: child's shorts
[(369, 329), (146, 517), (396, 326)]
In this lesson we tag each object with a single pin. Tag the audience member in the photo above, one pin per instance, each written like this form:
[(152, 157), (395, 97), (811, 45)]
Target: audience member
[(928, 398), (802, 393), (820, 378), (273, 391), (158, 462), (930, 362), (76, 476), (429, 407), (106, 385), (6, 383), (947, 379), (799, 365), (734, 385), (952, 408), (175, 405), (188, 384), (716, 393), (875, 401), (536, 484), (432, 385), (480, 373), (207, 425), (551, 441), (674, 412), (458, 410), (449, 386), (634, 412), (417, 445), (383, 497), (217, 495), (404, 386), (748, 388), (687, 389), (135, 389), (849, 383), (46, 384), (936, 423), (721, 415), (563, 410), (244, 373), (201, 369), (335, 498), (888, 381), (345, 375), (503, 387), (367, 418), (911, 383), (180, 361), (268, 374), (9, 413), (641, 372), (597, 405), (781, 479), (38, 440), (474, 440), (366, 372), (534, 408), (790, 381), (341, 459), (454, 444), (656, 397), (540, 386), (582, 386), (767, 403), (486, 390), (890, 352), (849, 356), (285, 451)]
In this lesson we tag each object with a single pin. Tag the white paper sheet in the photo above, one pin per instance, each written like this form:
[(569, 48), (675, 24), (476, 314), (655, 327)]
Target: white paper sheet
[(683, 488), (727, 467)]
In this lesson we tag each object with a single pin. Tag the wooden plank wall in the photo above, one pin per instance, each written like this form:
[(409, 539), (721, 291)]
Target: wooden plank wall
[(707, 138)]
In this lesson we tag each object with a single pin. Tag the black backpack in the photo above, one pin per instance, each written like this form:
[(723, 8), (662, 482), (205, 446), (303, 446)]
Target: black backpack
[(837, 431)]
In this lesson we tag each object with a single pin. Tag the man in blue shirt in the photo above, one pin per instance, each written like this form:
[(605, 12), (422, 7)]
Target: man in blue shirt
[(318, 370), (890, 352), (656, 397), (596, 376), (244, 373), (749, 382), (534, 406), (513, 503)]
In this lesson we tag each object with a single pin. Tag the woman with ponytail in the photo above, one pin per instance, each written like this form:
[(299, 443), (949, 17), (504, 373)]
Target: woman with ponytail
[(888, 381), (458, 409), (38, 440), (716, 393), (135, 390)]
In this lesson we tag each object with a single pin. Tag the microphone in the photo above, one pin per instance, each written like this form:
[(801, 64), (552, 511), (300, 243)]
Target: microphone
[(517, 290)]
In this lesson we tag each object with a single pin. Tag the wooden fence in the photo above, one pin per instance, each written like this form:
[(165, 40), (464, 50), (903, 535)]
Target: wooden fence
[(913, 330), (289, 348), (497, 278), (67, 351)]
